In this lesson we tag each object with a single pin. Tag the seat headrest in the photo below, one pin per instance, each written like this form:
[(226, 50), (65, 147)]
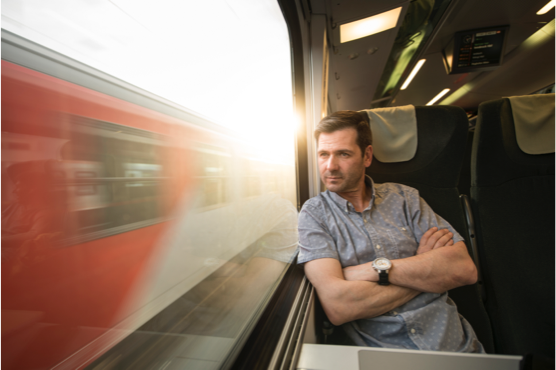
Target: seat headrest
[(534, 122), (441, 139), (394, 133)]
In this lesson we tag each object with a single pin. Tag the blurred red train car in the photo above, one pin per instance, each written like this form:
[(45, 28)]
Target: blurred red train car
[(94, 191)]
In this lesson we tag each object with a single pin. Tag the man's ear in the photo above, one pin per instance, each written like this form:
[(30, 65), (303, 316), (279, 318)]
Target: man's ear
[(368, 157)]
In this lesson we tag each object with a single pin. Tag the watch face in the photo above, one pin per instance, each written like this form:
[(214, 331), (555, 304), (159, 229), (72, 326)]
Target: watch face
[(382, 263)]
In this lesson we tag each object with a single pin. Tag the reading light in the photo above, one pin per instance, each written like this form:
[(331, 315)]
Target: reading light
[(547, 7), (369, 26), (442, 93), (412, 74)]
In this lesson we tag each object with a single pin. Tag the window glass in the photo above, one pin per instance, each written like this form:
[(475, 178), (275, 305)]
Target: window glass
[(130, 238)]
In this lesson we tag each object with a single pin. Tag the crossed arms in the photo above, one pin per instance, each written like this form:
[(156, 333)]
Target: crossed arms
[(352, 293)]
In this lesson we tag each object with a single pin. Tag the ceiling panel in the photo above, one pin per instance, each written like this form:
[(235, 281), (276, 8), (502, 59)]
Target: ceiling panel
[(349, 10), (358, 78), (356, 66)]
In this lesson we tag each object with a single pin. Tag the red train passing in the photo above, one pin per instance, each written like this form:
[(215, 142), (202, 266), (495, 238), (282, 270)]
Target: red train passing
[(109, 214)]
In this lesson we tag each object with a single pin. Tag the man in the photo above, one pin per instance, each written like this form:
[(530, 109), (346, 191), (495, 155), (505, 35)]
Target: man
[(400, 301)]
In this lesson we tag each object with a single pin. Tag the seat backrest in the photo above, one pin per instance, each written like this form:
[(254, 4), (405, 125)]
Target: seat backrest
[(434, 172), (512, 197)]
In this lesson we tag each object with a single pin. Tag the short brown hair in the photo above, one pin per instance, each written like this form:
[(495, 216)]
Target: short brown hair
[(347, 119)]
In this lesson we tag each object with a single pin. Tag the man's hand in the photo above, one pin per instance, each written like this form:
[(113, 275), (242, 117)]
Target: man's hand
[(435, 238)]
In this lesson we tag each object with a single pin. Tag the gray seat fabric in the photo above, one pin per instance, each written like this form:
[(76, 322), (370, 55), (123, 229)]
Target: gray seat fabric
[(434, 171), (512, 196)]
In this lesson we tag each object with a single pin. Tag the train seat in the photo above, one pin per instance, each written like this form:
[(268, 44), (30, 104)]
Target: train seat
[(512, 197), (434, 171)]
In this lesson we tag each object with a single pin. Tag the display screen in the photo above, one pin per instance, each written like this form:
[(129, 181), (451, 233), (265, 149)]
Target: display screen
[(475, 50)]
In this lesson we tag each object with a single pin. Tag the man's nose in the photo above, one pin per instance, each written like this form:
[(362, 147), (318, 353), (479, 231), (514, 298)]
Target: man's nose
[(332, 163)]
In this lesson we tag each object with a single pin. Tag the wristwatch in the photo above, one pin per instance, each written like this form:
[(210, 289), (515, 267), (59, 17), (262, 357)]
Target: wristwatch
[(382, 266)]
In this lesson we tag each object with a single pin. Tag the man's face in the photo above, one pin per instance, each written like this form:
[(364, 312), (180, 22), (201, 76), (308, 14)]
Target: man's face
[(341, 165)]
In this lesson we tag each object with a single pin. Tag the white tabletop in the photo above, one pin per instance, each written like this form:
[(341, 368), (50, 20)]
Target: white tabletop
[(328, 357)]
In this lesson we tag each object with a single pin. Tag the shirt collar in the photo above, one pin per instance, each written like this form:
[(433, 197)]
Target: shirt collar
[(347, 206)]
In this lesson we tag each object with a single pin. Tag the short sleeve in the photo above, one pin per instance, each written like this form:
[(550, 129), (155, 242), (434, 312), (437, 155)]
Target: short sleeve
[(314, 240), (423, 217)]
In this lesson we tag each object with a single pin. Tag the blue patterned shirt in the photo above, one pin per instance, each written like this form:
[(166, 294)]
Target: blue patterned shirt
[(391, 226)]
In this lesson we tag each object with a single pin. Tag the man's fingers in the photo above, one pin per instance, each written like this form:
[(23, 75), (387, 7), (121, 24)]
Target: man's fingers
[(443, 240), (435, 237), (427, 235)]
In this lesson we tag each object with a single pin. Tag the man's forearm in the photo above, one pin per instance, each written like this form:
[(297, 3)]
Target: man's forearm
[(345, 301), (352, 300), (435, 271)]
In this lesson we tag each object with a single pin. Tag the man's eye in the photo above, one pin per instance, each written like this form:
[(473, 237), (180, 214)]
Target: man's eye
[(322, 155), (344, 155)]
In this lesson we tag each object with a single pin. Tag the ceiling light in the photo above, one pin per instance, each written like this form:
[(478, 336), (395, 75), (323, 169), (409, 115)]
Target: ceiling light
[(547, 7), (369, 26), (437, 97), (413, 73)]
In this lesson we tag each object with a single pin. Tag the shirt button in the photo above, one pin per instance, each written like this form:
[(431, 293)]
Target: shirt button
[(378, 247), (365, 220), (403, 228), (394, 313), (412, 331)]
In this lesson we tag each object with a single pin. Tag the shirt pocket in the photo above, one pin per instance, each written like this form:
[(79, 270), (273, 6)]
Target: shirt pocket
[(403, 241)]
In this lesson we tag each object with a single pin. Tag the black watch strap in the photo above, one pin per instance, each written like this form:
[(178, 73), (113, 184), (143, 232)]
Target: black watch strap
[(383, 278)]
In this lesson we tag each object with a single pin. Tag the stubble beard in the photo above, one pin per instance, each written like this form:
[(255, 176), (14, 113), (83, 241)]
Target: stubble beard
[(346, 182)]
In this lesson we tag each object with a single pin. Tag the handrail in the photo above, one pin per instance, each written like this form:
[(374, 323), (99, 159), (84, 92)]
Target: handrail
[(473, 240)]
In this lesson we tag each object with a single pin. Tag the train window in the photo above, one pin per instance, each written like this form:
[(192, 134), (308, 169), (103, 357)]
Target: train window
[(213, 177), (149, 205), (112, 175)]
